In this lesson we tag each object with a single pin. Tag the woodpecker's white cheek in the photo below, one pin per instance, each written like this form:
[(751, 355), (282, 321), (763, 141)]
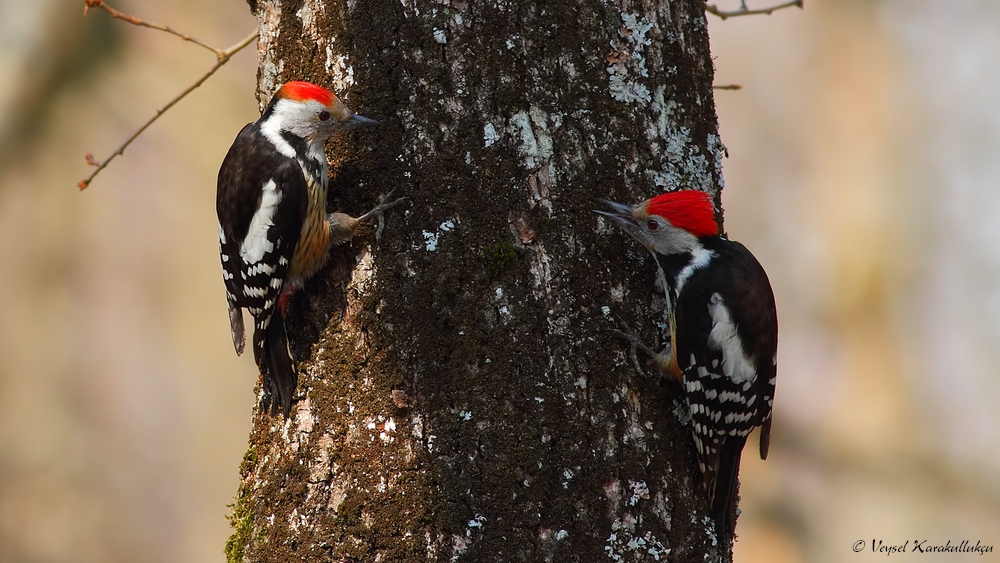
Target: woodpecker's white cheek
[(256, 244), (271, 129), (735, 364)]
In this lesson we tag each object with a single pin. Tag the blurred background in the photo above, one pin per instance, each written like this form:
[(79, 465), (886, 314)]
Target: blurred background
[(864, 157), (124, 411), (863, 173)]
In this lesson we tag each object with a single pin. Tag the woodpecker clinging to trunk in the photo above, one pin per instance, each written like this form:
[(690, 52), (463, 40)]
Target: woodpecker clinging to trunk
[(274, 232), (723, 333)]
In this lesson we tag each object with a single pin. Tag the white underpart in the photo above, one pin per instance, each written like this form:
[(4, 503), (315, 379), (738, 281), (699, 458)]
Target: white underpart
[(735, 363), (256, 244), (700, 257)]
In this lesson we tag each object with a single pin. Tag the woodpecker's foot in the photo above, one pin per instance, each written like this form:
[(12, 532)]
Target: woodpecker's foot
[(343, 226), (635, 344), (379, 210), (662, 361), (382, 207)]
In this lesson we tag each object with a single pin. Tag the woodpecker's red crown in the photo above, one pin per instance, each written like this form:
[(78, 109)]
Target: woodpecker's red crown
[(691, 210), (303, 91)]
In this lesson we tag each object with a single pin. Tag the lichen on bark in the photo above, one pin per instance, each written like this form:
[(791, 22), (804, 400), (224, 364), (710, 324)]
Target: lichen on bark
[(460, 398)]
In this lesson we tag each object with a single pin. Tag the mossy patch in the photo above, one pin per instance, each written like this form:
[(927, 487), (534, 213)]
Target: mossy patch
[(239, 519), (241, 512), (498, 258)]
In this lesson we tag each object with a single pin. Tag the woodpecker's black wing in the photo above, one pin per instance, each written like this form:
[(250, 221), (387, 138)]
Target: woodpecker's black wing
[(726, 330), (261, 203), (231, 207), (756, 318)]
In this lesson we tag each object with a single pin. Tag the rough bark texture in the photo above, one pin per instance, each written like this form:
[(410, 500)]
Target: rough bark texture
[(459, 397)]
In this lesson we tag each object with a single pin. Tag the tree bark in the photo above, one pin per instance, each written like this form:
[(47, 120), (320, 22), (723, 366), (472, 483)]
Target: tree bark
[(460, 397)]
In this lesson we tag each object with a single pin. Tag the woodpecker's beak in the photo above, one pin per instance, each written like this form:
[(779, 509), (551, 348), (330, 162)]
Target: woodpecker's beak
[(624, 215), (362, 120), (620, 213)]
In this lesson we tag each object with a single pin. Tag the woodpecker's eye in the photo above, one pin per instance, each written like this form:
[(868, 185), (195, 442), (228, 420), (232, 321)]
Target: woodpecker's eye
[(652, 225), (323, 115)]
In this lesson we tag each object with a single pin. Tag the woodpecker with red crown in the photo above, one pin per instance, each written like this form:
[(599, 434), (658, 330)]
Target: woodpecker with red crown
[(723, 333), (274, 232)]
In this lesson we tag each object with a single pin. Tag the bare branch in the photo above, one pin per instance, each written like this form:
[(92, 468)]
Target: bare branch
[(142, 23), (223, 54), (727, 87), (744, 11)]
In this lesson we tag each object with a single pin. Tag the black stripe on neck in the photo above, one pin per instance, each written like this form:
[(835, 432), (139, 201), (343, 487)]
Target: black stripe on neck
[(672, 265), (298, 143)]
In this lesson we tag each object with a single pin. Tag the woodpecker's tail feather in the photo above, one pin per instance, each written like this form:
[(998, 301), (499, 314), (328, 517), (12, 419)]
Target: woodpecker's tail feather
[(724, 499), (272, 357), (283, 376), (765, 438), (236, 326)]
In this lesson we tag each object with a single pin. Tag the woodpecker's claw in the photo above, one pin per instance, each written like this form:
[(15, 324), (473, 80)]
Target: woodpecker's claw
[(382, 207), (661, 360), (343, 226), (635, 343), (379, 210)]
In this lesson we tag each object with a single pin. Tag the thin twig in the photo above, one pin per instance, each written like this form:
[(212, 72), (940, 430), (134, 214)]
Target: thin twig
[(744, 11), (727, 87), (142, 23), (224, 56)]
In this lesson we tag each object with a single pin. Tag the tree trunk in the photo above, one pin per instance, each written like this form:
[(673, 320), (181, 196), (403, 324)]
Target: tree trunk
[(460, 397)]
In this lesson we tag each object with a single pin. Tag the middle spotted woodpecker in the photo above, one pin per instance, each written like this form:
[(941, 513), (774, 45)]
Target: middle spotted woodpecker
[(274, 232), (723, 333)]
